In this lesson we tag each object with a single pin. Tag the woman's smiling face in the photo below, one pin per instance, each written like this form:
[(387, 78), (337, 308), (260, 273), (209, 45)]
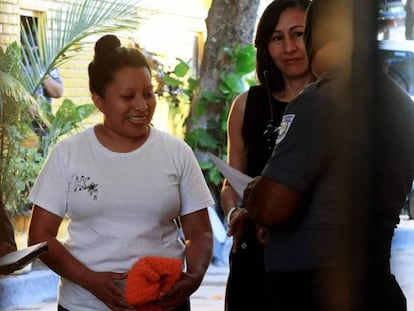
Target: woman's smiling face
[(129, 103), (286, 46)]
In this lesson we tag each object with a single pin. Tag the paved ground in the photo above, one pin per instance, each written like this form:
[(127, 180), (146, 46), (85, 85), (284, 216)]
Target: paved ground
[(210, 295), (402, 264), (402, 259)]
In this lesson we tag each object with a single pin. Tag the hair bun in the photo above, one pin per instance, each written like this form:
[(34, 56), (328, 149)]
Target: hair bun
[(106, 46)]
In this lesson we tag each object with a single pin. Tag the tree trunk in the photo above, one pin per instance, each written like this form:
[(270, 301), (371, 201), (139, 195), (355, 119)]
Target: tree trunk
[(229, 22)]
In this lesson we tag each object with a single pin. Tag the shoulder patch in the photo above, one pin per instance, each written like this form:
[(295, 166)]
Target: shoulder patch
[(284, 127)]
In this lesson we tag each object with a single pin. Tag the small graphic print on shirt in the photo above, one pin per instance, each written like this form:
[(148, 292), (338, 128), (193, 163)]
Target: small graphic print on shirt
[(83, 183), (284, 126)]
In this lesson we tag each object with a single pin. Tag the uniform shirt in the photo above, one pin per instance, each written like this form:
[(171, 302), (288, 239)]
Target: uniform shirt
[(312, 157), (121, 206), (394, 164)]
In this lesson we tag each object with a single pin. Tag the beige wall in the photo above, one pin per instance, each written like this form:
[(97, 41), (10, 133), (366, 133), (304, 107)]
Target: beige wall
[(168, 29), (9, 22)]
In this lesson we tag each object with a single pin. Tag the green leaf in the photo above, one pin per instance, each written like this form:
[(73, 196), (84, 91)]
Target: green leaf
[(201, 137), (181, 69), (223, 126), (192, 84), (206, 165), (85, 111), (201, 108), (171, 81), (215, 176), (67, 111), (212, 97), (205, 139), (235, 83), (246, 60)]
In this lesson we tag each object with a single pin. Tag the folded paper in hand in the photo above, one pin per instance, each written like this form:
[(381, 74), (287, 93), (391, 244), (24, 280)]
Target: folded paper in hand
[(235, 178), (17, 260)]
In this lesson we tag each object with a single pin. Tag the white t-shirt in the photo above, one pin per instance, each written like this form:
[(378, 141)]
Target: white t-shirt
[(121, 206)]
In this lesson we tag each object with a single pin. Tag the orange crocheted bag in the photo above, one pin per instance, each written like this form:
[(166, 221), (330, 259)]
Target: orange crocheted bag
[(148, 277)]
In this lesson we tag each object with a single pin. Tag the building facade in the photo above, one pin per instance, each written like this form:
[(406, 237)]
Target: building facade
[(169, 29)]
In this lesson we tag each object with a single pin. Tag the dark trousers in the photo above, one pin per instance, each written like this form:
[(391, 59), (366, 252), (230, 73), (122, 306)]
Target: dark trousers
[(332, 290), (383, 291), (245, 289), (385, 294), (314, 290)]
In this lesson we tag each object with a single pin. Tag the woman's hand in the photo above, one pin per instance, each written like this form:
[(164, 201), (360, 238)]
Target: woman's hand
[(104, 286), (236, 226), (180, 292)]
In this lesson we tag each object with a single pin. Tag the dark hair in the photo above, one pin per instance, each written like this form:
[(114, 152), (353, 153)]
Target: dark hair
[(265, 29), (110, 57)]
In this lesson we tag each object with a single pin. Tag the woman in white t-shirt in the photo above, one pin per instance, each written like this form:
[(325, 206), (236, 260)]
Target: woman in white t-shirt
[(127, 188)]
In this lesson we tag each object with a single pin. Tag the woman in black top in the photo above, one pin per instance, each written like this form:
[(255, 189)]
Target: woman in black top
[(282, 71)]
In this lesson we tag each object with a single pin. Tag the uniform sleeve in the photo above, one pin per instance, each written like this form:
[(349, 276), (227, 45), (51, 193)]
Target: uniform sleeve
[(304, 143)]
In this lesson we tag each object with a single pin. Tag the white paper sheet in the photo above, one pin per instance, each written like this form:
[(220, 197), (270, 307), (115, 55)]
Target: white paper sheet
[(236, 179)]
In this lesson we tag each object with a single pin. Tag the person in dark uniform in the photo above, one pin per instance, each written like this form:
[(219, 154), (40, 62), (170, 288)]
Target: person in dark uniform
[(393, 177), (282, 71), (333, 189)]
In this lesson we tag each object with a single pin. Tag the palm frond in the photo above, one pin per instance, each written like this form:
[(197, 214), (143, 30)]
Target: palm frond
[(22, 71), (65, 28), (12, 88)]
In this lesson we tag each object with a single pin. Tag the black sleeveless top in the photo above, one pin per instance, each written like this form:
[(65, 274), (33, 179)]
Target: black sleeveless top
[(256, 118)]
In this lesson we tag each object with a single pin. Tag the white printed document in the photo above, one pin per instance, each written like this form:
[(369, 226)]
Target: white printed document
[(235, 178)]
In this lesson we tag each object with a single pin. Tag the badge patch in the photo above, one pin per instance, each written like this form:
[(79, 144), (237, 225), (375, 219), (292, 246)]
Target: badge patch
[(284, 127)]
